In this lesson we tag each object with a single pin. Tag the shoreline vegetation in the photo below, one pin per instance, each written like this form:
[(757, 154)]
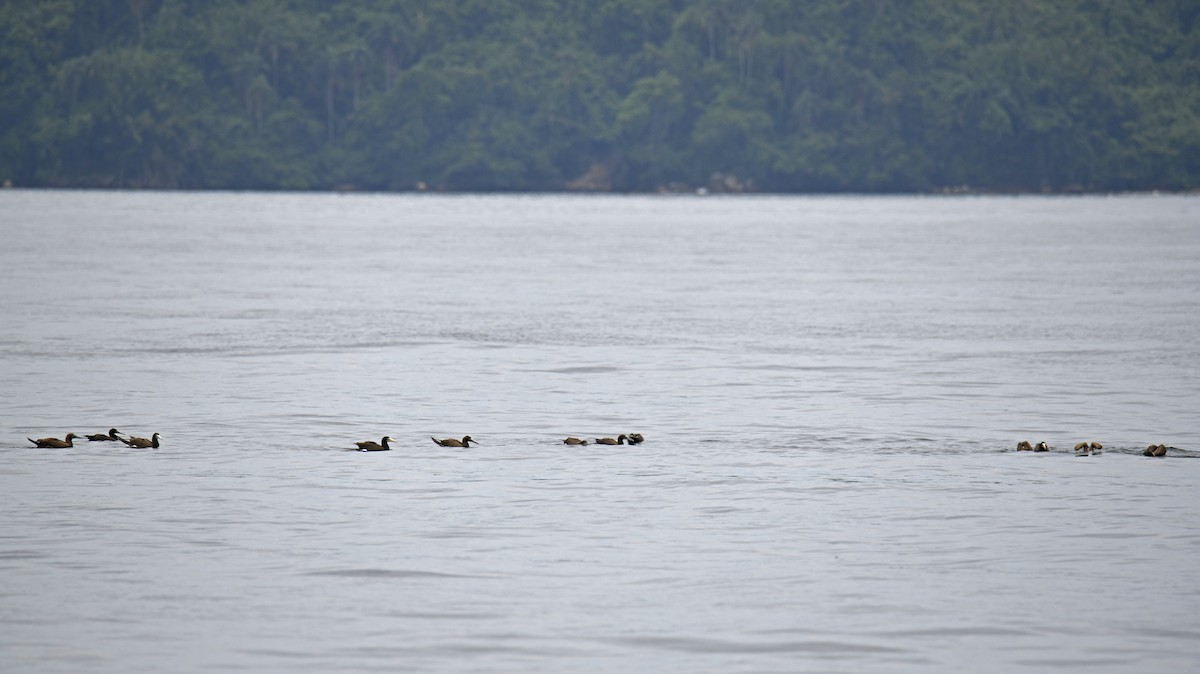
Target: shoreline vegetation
[(676, 189), (606, 96)]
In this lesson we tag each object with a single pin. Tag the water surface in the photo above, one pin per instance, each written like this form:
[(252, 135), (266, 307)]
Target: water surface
[(830, 390)]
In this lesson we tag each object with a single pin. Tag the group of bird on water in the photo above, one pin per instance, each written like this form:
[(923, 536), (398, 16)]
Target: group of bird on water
[(113, 435), (631, 439), (1089, 448), (383, 444)]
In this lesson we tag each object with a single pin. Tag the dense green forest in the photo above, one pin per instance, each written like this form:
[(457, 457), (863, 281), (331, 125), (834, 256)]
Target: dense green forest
[(769, 95)]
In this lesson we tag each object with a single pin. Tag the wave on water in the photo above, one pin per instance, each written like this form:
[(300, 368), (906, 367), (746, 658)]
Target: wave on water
[(397, 574)]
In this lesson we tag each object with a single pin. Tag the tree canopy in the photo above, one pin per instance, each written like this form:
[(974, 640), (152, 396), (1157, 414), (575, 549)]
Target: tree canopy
[(774, 95)]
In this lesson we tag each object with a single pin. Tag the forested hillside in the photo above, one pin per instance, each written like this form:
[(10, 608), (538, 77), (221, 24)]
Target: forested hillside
[(774, 95)]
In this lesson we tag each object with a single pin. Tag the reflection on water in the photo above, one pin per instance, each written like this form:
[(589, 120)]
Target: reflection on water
[(831, 391)]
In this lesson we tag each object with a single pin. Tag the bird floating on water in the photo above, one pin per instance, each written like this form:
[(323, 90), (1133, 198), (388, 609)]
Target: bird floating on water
[(110, 436), (1088, 448), (1024, 446), (1155, 450), (372, 446), (1041, 447), (55, 443), (574, 441), (635, 438), (609, 441), (452, 442), (142, 443)]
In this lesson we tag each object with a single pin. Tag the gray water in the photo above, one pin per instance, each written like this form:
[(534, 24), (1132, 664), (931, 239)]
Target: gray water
[(830, 390)]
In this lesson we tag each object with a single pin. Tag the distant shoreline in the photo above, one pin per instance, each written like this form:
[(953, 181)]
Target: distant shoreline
[(696, 192)]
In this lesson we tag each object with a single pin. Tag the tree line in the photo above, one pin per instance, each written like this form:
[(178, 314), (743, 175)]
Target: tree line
[(772, 95)]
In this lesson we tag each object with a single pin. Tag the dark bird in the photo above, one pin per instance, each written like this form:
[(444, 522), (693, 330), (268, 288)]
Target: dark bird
[(142, 443), (372, 446), (451, 442), (55, 442), (1024, 446), (102, 437), (574, 441), (1041, 447), (1088, 448), (609, 441), (1155, 450), (635, 439)]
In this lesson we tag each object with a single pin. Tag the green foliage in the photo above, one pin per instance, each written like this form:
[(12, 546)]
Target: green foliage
[(821, 95)]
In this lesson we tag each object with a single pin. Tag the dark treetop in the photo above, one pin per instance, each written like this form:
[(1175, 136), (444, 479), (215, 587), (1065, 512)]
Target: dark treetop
[(778, 95)]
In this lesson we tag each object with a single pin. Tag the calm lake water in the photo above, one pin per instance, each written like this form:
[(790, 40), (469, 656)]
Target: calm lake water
[(830, 389)]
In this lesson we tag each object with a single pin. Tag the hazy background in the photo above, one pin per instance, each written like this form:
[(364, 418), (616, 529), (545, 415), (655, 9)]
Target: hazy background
[(726, 95)]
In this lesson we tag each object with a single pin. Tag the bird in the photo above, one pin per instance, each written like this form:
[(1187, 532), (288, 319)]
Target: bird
[(1024, 446), (372, 446), (55, 442), (1155, 450), (635, 438), (142, 443), (451, 442), (102, 437), (609, 441), (1088, 448), (574, 441), (1041, 447)]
